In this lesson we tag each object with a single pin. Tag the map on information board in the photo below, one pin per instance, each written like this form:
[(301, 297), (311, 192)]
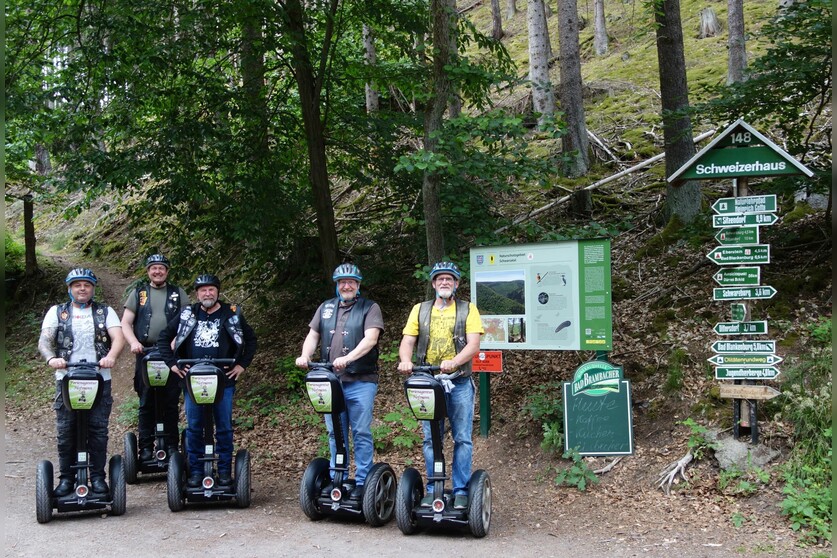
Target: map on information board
[(553, 295)]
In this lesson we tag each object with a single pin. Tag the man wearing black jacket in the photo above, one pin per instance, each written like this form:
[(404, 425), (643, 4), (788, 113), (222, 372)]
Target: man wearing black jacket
[(210, 328)]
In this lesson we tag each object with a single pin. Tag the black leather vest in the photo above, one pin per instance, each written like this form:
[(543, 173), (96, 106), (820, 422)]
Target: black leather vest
[(64, 334), (142, 325), (355, 330)]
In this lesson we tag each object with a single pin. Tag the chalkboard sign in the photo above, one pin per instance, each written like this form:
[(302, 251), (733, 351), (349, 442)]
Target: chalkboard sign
[(597, 411)]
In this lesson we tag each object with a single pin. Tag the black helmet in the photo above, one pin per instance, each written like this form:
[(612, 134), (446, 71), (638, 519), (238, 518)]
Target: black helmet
[(445, 267), (81, 274), (346, 271), (206, 279), (157, 259)]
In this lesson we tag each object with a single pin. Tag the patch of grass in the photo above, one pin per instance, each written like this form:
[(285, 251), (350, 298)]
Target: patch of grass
[(127, 414), (674, 378)]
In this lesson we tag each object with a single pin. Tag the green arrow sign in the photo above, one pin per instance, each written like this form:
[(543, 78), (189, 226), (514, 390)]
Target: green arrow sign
[(743, 293), (746, 373), (735, 255), (741, 328), (745, 360), (744, 347), (745, 204), (738, 311), (743, 220), (738, 276), (738, 235)]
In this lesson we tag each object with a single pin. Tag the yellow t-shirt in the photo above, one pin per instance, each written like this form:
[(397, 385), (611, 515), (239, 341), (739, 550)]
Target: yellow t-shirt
[(440, 344)]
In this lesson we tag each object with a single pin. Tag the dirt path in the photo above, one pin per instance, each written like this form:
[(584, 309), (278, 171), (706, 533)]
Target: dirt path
[(530, 518)]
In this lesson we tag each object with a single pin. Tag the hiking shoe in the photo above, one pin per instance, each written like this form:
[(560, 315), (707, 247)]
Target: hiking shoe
[(64, 487), (146, 454), (460, 502), (224, 479), (99, 486), (427, 501), (194, 480)]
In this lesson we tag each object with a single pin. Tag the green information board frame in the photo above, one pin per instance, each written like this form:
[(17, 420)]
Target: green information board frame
[(598, 417)]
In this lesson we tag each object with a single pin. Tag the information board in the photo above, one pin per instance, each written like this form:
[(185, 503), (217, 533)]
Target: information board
[(597, 411), (554, 296)]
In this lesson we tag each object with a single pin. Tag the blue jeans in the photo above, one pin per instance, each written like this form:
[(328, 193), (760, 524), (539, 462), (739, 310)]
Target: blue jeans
[(460, 404), (360, 398), (97, 434), (222, 413)]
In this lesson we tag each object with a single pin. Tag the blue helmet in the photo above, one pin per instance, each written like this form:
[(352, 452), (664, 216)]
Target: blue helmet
[(157, 259), (81, 274), (347, 271), (445, 267)]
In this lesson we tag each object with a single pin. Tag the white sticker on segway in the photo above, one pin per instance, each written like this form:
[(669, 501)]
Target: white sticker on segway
[(319, 393), (82, 457), (338, 459), (158, 373), (209, 450), (422, 402), (438, 467)]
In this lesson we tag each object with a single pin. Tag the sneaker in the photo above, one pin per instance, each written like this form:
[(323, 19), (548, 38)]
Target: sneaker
[(427, 501), (194, 480), (64, 487), (460, 502), (224, 479)]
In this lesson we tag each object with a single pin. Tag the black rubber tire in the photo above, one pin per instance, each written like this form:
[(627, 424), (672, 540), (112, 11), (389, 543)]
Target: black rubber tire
[(43, 492), (175, 481), (409, 495), (242, 478), (379, 495), (313, 480), (130, 460), (118, 490), (479, 503)]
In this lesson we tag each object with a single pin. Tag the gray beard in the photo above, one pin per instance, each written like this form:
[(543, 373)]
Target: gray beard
[(208, 303)]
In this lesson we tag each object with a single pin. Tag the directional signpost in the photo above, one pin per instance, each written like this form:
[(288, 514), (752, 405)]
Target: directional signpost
[(738, 276), (738, 235), (740, 152), (744, 220), (741, 328), (746, 373), (731, 391), (737, 255), (743, 293)]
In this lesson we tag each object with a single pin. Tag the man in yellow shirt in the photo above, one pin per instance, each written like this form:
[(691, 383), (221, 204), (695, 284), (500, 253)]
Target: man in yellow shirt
[(446, 332)]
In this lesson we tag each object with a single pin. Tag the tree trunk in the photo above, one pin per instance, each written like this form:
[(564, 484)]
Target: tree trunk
[(454, 101), (371, 59), (574, 142), (709, 24), (543, 97), (310, 97), (253, 76), (496, 20), (29, 240), (600, 41), (682, 200), (442, 13), (511, 8), (737, 47)]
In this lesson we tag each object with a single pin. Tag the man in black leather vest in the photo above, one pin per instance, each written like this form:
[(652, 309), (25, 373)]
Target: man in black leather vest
[(148, 309), (346, 330)]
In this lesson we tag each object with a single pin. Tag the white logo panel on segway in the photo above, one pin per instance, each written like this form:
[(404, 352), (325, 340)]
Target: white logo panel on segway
[(320, 395), (204, 389), (157, 373), (423, 402), (82, 394)]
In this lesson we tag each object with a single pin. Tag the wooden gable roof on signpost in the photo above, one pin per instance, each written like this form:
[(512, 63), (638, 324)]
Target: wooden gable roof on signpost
[(739, 151)]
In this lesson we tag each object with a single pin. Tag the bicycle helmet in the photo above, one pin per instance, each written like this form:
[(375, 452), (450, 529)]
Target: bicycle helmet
[(81, 274), (207, 279), (445, 267), (157, 259), (347, 271)]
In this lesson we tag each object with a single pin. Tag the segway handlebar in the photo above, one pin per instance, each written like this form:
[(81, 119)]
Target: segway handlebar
[(425, 368), (325, 365), (205, 360), (83, 365)]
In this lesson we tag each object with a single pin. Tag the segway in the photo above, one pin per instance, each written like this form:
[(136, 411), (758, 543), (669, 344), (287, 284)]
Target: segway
[(426, 397), (205, 384), (81, 389), (156, 377), (329, 491)]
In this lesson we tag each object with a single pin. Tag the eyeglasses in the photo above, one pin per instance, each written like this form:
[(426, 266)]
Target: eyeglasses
[(445, 279)]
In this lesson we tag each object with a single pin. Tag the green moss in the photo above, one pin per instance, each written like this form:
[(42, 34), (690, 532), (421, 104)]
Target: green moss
[(621, 289), (789, 340), (669, 235), (799, 211)]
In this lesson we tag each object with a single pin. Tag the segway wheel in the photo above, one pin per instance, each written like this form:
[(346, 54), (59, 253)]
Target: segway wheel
[(409, 495), (175, 481), (479, 503), (379, 495), (242, 478), (118, 492), (313, 481), (43, 492), (130, 460)]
